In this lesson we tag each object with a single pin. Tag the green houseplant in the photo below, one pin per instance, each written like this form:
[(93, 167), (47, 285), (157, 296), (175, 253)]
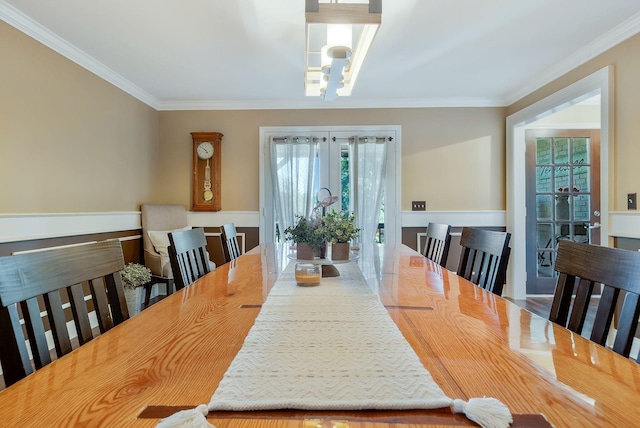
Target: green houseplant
[(339, 229), (134, 275), (308, 235)]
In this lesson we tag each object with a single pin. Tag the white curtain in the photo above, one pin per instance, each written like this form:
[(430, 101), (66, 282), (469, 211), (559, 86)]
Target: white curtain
[(292, 170), (368, 165)]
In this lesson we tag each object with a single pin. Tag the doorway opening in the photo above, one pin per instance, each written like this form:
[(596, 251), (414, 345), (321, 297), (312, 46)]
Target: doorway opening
[(563, 197), (599, 83)]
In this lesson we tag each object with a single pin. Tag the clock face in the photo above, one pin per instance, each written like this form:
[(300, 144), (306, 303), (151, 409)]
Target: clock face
[(205, 150)]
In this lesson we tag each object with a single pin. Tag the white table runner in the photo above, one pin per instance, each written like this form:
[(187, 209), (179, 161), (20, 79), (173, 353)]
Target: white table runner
[(333, 346), (329, 347)]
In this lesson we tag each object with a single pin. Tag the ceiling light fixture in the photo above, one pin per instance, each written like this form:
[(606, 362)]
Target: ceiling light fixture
[(338, 37)]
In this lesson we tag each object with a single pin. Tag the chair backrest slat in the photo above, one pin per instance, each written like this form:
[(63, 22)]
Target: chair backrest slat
[(101, 304), (31, 278), (436, 247), (58, 322), (618, 271), (117, 299), (80, 313), (581, 305), (188, 256), (562, 299), (14, 355), (229, 239), (35, 331), (627, 324), (484, 258), (604, 316)]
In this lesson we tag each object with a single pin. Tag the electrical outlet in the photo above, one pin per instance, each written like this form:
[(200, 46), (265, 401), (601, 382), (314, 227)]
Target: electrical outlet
[(631, 201), (418, 205)]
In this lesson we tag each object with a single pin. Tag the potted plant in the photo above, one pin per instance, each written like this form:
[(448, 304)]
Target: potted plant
[(339, 229), (134, 275), (308, 236)]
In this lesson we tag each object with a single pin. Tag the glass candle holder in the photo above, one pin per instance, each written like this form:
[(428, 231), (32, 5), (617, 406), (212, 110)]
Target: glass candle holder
[(308, 274)]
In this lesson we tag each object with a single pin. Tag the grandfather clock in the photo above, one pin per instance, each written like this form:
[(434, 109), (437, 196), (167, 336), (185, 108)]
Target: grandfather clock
[(205, 182)]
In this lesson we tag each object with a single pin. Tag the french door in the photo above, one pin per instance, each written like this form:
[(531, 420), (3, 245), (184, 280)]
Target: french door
[(563, 198), (333, 167)]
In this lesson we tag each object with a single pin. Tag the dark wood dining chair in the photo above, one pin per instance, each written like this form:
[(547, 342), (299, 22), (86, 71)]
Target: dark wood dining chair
[(188, 256), (484, 258), (587, 266), (229, 242), (44, 281), (436, 247)]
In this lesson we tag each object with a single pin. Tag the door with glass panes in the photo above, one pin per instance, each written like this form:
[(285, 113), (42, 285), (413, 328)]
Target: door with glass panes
[(563, 198), (334, 167)]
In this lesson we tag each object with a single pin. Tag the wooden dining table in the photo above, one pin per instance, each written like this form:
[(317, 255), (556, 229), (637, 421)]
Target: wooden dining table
[(173, 354)]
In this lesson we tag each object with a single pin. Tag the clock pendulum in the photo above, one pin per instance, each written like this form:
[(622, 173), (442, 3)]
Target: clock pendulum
[(207, 194)]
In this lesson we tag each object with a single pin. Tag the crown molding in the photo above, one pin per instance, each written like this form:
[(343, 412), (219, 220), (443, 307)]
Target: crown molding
[(340, 103), (33, 29), (617, 35)]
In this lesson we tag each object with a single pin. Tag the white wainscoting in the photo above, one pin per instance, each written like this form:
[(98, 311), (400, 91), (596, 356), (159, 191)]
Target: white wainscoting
[(624, 224), (485, 218), (25, 227)]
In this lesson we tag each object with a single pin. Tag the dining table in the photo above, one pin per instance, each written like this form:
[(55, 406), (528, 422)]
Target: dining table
[(173, 355)]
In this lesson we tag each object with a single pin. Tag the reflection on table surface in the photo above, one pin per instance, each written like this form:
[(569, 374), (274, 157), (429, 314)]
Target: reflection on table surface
[(473, 343)]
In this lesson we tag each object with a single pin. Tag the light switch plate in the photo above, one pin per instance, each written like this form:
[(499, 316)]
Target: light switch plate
[(418, 205), (632, 201)]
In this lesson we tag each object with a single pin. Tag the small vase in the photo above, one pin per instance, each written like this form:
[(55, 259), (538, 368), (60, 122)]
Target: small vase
[(340, 251), (133, 297), (304, 251), (321, 251)]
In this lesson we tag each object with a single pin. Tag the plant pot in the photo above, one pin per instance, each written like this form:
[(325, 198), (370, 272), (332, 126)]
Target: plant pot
[(133, 297), (304, 251), (340, 251)]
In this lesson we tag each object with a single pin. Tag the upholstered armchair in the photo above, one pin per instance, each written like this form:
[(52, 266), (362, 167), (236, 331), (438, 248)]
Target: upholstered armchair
[(158, 220)]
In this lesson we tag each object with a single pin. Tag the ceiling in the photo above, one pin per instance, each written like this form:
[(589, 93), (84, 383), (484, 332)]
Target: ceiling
[(241, 54)]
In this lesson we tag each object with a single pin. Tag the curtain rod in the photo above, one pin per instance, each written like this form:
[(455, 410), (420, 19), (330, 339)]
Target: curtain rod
[(297, 139), (351, 139), (316, 139)]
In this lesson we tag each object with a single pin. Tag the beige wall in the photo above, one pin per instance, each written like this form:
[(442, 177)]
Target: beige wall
[(625, 149), (72, 142), (467, 145), (69, 141)]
